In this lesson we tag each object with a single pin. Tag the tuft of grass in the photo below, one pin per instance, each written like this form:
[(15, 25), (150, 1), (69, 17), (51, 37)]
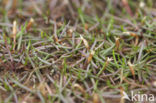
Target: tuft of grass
[(77, 51)]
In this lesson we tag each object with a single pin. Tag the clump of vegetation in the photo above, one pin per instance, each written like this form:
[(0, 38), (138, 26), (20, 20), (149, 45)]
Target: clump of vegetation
[(74, 51)]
